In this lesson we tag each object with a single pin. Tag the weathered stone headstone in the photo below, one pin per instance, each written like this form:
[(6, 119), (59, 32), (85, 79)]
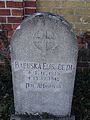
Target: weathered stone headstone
[(44, 57)]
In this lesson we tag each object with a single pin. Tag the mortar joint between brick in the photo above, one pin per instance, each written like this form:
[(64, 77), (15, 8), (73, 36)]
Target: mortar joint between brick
[(12, 8), (10, 11), (5, 3), (29, 7), (16, 8), (15, 16), (5, 8)]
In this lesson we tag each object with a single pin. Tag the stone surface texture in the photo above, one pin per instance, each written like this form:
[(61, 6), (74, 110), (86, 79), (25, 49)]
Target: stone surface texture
[(44, 58), (14, 117)]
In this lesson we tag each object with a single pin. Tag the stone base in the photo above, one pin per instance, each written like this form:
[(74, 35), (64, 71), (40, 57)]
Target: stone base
[(17, 117)]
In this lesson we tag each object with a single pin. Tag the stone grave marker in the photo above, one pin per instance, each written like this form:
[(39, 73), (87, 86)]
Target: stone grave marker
[(43, 58)]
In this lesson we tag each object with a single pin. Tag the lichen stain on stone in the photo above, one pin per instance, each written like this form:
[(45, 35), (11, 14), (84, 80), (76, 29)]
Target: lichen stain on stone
[(85, 20)]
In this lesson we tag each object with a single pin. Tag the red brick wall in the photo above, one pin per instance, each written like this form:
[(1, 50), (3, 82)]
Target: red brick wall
[(12, 12)]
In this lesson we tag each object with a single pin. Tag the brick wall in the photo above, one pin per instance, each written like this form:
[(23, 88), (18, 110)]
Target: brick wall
[(12, 12), (77, 12)]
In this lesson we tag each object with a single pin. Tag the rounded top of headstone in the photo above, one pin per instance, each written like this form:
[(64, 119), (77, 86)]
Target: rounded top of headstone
[(49, 15), (43, 37)]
